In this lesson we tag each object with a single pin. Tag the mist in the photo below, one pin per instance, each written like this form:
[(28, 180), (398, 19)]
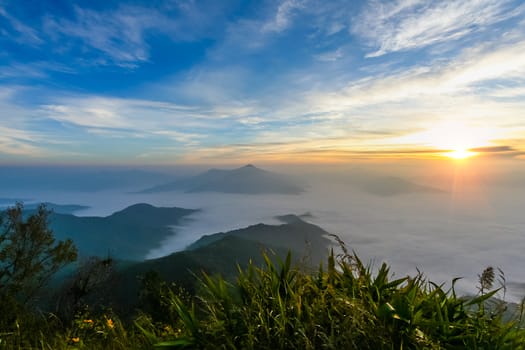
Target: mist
[(446, 220)]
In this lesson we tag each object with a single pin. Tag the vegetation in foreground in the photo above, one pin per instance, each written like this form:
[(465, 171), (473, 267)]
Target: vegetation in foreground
[(346, 305)]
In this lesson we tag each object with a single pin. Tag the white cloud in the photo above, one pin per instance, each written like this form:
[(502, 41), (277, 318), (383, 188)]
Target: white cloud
[(120, 117), (283, 15), (186, 138), (410, 24), (457, 78), (330, 56), (17, 137)]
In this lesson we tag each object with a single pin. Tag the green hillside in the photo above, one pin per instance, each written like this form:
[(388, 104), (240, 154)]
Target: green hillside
[(128, 234), (221, 253), (301, 237)]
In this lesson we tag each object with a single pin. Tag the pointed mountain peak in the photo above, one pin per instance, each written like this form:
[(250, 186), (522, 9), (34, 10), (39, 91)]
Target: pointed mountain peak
[(247, 168)]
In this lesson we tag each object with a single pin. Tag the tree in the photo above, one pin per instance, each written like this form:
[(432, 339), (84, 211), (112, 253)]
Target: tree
[(92, 283), (29, 254)]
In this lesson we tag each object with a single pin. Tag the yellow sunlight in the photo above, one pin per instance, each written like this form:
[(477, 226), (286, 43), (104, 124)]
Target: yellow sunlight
[(460, 154)]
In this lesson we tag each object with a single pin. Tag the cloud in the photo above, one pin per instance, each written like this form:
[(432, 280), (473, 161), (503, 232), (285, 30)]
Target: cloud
[(33, 70), (18, 137), (453, 80), (283, 16), (187, 125), (410, 24), (330, 56), (19, 31), (495, 149), (121, 36), (117, 114), (18, 142)]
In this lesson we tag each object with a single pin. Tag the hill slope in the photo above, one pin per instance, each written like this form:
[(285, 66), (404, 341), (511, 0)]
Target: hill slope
[(221, 253), (127, 234), (295, 234)]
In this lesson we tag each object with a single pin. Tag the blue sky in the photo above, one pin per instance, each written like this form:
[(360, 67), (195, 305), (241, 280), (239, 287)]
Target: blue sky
[(167, 82)]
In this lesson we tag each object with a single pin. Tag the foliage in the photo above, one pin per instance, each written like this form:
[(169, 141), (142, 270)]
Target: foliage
[(344, 307), (90, 284), (29, 255)]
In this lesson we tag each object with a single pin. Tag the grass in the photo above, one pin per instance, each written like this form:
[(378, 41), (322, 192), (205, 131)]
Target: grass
[(345, 305)]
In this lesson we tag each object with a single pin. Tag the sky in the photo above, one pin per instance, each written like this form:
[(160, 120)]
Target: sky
[(189, 82)]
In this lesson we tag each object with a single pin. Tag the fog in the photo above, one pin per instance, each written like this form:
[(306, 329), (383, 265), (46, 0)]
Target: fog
[(473, 219)]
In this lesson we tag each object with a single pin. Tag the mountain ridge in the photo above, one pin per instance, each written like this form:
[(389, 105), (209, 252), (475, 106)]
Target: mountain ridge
[(245, 180), (126, 234)]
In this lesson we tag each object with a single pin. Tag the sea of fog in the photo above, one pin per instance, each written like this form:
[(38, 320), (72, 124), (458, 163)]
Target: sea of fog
[(445, 235)]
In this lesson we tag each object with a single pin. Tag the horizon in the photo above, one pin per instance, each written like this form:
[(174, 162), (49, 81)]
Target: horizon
[(134, 83)]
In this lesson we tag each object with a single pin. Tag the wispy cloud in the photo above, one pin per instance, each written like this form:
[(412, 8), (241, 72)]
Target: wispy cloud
[(19, 31), (330, 56), (409, 24), (165, 122), (121, 36), (13, 146), (283, 16), (17, 136), (504, 62)]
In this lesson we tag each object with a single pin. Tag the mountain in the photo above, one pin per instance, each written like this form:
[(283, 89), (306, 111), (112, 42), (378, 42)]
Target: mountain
[(391, 185), (294, 234), (221, 253), (381, 184), (247, 179), (127, 234)]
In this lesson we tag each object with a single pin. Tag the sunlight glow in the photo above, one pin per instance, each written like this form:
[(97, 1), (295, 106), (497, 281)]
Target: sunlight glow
[(452, 138), (460, 154)]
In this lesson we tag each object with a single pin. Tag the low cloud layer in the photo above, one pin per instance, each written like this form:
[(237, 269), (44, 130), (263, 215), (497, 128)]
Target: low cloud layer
[(475, 222)]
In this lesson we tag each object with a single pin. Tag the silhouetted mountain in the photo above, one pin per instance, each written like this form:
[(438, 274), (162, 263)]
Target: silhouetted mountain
[(247, 179), (127, 234)]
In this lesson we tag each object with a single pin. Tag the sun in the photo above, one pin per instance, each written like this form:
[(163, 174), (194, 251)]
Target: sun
[(456, 139), (460, 154)]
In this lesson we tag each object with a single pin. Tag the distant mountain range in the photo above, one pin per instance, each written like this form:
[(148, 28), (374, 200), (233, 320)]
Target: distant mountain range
[(380, 183), (392, 185), (247, 180), (128, 234)]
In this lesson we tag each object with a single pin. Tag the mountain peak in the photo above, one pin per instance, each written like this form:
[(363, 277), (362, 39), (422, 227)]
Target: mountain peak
[(247, 179)]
